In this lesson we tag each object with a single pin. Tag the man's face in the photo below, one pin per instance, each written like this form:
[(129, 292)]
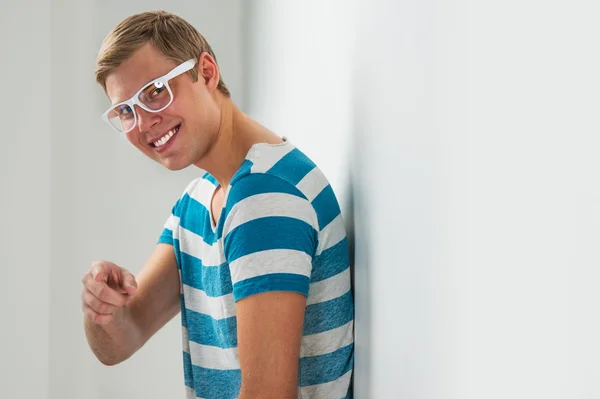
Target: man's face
[(190, 123)]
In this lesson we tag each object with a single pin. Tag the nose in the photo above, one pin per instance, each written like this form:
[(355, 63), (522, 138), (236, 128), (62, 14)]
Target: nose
[(146, 120)]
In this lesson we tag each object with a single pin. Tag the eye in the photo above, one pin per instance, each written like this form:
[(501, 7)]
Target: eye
[(125, 111), (154, 94), (157, 91), (159, 87)]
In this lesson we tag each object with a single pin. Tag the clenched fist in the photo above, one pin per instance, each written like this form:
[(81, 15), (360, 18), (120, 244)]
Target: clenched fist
[(106, 289)]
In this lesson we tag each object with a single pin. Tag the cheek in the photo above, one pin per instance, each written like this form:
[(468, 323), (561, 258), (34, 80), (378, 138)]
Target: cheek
[(134, 139), (131, 137), (196, 110), (175, 111)]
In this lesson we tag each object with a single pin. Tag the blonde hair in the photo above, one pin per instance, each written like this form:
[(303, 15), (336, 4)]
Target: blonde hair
[(172, 35)]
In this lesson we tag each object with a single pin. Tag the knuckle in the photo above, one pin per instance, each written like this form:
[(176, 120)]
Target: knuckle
[(93, 302), (85, 279), (97, 266), (84, 296)]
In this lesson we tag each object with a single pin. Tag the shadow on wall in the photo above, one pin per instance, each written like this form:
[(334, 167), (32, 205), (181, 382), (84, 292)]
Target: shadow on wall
[(349, 222), (357, 232)]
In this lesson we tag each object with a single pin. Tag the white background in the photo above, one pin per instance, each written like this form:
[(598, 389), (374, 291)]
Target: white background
[(461, 138)]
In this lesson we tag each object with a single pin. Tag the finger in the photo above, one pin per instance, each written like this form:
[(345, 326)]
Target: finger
[(88, 281), (99, 272), (129, 283), (120, 290), (96, 304), (106, 294), (96, 317), (114, 279), (87, 278)]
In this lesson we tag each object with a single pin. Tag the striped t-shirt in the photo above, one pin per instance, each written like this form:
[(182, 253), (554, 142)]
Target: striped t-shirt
[(280, 230)]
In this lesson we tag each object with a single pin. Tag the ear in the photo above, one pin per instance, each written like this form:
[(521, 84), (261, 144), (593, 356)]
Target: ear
[(209, 71)]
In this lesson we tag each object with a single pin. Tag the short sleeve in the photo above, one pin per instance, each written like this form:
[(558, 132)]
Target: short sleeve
[(270, 236), (169, 232), (166, 236)]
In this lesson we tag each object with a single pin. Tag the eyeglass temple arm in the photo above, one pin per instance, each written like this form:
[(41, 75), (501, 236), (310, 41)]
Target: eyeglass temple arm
[(186, 66)]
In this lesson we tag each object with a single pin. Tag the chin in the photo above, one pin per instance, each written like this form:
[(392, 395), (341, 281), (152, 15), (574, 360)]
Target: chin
[(172, 164)]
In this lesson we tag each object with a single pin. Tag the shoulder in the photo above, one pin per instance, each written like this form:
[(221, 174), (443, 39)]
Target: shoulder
[(260, 184), (263, 195), (280, 167)]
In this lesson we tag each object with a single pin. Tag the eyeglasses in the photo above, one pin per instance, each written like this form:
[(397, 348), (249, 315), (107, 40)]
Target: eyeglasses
[(152, 97)]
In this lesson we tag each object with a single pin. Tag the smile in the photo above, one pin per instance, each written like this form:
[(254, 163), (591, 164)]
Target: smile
[(164, 139)]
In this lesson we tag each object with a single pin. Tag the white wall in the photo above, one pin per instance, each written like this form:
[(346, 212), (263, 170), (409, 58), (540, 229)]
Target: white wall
[(473, 129), (477, 125), (108, 200), (24, 198)]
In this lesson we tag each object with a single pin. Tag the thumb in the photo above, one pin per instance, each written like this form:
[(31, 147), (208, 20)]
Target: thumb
[(129, 284)]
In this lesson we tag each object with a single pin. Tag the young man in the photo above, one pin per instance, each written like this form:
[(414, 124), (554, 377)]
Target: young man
[(254, 255)]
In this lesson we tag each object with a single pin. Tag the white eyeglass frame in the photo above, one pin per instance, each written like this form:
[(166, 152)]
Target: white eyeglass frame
[(134, 100)]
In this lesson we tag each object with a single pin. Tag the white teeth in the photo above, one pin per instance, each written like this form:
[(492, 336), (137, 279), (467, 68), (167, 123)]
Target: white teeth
[(165, 138)]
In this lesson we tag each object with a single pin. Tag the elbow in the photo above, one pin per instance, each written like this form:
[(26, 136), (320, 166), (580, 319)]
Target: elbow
[(109, 360)]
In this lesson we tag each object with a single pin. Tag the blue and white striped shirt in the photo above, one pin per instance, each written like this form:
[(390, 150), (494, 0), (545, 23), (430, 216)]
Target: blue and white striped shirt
[(280, 230)]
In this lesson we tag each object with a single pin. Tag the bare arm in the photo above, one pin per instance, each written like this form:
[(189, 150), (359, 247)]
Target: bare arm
[(120, 320), (269, 335)]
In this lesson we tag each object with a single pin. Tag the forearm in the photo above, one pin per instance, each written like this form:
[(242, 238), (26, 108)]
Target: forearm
[(112, 343)]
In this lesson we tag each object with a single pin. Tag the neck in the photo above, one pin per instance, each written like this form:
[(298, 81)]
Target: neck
[(236, 135)]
